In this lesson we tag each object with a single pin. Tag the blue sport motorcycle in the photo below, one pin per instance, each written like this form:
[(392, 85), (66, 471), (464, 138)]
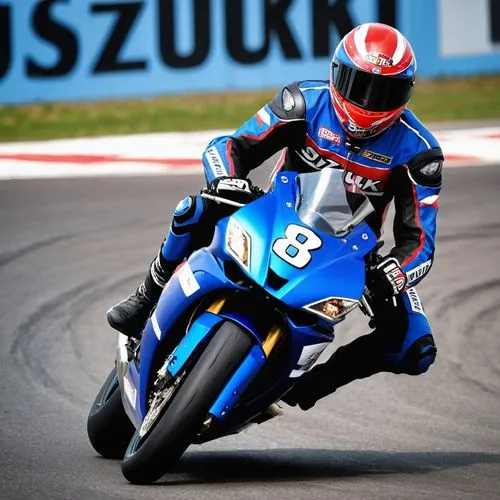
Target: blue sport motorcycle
[(236, 326)]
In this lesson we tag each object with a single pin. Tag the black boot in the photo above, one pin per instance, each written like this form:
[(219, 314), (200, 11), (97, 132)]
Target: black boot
[(361, 358), (130, 315)]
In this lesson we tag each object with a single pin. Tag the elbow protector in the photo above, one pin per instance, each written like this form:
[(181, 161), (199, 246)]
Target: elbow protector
[(426, 168), (289, 103)]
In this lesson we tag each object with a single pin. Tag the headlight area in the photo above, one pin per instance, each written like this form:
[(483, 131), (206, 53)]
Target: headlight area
[(238, 243), (333, 308)]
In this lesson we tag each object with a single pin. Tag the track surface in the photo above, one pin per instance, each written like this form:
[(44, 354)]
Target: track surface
[(71, 248)]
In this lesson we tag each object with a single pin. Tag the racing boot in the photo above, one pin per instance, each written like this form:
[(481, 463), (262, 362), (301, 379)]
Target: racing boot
[(361, 358), (130, 315)]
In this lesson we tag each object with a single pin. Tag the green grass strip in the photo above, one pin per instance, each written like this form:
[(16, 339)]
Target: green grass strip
[(439, 100)]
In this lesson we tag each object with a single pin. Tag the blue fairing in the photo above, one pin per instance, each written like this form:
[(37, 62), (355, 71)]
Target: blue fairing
[(172, 305), (335, 267), (240, 380), (255, 360), (339, 267)]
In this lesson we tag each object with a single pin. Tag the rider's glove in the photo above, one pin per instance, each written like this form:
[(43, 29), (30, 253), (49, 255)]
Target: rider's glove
[(234, 188), (387, 277)]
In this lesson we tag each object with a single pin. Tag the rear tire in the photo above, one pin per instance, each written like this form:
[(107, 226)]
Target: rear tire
[(150, 457), (108, 426)]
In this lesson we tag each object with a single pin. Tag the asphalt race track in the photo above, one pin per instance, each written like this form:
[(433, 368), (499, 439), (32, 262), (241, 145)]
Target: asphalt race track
[(71, 248)]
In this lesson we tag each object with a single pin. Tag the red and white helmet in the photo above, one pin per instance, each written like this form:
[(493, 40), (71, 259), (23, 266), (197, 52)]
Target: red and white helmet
[(372, 78)]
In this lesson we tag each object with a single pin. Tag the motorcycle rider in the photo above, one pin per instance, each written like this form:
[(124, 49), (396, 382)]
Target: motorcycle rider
[(357, 121)]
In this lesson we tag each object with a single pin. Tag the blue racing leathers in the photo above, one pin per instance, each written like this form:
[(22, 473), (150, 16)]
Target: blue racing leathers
[(403, 165)]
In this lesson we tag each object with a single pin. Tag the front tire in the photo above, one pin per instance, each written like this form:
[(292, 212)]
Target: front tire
[(150, 457), (108, 427)]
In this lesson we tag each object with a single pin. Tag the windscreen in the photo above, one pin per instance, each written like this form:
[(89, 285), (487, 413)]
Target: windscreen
[(322, 202)]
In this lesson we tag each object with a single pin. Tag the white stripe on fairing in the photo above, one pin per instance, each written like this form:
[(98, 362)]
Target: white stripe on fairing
[(156, 326), (429, 200), (417, 133), (400, 49), (359, 39)]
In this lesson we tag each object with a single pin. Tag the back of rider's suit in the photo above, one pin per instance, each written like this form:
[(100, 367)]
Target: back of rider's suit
[(402, 164)]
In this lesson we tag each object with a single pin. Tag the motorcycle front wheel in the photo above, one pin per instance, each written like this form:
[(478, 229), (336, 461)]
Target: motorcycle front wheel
[(149, 457)]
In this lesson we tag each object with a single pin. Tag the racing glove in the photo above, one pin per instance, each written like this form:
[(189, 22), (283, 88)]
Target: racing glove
[(234, 188), (387, 277)]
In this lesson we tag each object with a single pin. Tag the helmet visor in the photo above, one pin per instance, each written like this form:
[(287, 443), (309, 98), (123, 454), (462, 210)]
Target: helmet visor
[(371, 91)]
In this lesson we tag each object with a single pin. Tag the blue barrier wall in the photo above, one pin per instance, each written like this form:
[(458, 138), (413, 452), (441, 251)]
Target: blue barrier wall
[(55, 50)]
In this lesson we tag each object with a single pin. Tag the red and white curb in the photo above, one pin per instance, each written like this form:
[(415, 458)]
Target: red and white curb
[(180, 153), (470, 147), (148, 154)]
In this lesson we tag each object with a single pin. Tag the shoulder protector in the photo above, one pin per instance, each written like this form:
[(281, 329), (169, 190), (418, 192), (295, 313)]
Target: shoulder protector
[(289, 103), (426, 167)]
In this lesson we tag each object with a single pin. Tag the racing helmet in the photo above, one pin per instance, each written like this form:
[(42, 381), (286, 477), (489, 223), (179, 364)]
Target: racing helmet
[(371, 79)]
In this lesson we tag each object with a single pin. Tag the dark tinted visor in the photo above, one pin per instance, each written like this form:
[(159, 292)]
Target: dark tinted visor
[(371, 91)]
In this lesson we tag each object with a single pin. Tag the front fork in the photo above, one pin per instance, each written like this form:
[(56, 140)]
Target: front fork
[(199, 332), (246, 373)]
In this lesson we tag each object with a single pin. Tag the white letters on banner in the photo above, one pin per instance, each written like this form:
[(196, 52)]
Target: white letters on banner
[(62, 50), (468, 27)]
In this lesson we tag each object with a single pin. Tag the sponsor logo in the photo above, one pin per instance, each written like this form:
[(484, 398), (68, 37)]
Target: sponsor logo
[(358, 131), (419, 271), (233, 184), (215, 162), (187, 280), (309, 356), (352, 127), (355, 183), (371, 155), (310, 156), (379, 59), (396, 276), (325, 133), (415, 304)]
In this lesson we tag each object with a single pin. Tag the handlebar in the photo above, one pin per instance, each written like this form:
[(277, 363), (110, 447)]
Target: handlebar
[(219, 199), (256, 192)]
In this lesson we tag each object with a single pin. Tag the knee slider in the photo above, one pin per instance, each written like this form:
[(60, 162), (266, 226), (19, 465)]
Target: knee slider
[(187, 214), (185, 209), (419, 357)]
